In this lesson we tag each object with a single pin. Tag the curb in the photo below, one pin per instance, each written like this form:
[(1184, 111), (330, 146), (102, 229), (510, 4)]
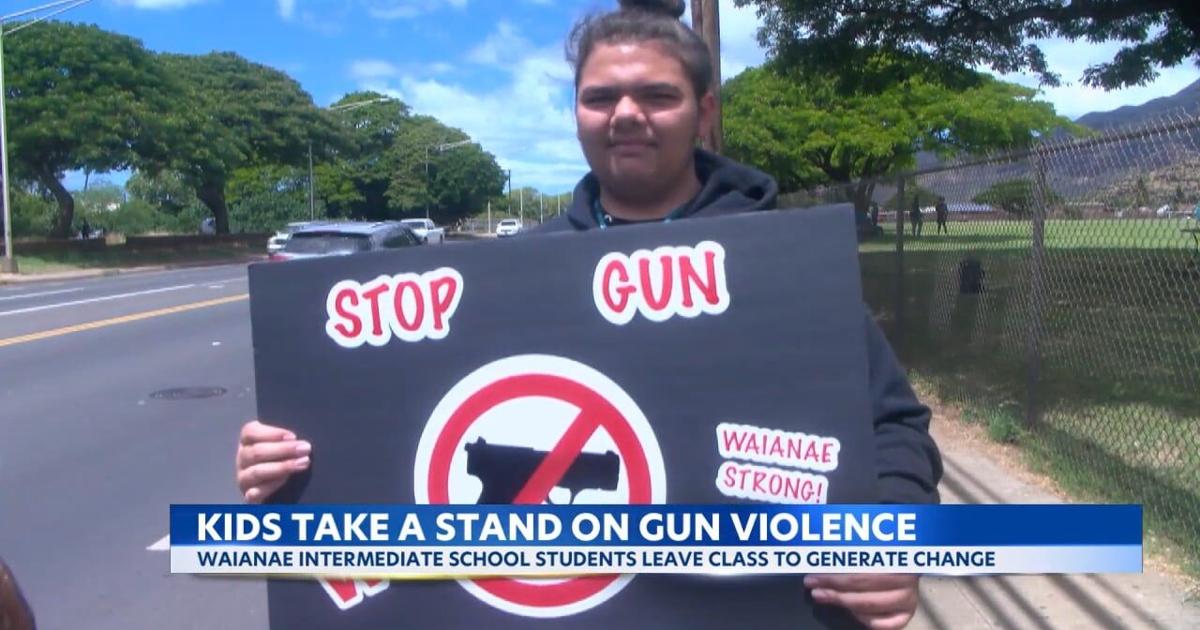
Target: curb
[(19, 278)]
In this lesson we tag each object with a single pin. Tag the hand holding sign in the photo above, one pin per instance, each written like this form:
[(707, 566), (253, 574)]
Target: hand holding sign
[(881, 601), (266, 457)]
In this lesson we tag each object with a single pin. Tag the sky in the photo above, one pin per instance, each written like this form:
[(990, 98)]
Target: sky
[(493, 68)]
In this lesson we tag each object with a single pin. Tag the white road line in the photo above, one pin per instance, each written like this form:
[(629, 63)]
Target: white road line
[(163, 544), (38, 294), (46, 307)]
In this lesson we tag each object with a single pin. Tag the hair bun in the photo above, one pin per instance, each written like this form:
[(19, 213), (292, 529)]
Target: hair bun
[(671, 8)]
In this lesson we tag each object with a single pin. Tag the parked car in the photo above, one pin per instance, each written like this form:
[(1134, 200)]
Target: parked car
[(426, 230), (508, 227), (344, 239)]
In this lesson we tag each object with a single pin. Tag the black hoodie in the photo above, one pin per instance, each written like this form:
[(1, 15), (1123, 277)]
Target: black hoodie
[(908, 461)]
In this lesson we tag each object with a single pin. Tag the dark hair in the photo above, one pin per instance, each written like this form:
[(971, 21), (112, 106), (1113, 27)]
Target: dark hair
[(644, 21)]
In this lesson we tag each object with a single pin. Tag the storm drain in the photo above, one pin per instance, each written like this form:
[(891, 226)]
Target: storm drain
[(188, 393)]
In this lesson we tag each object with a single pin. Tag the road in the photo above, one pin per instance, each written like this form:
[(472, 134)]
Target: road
[(90, 460)]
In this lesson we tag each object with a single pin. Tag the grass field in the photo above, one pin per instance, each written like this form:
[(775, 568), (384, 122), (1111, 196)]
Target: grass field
[(1118, 387), (1061, 234)]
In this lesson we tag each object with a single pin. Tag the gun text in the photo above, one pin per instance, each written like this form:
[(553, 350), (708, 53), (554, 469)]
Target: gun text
[(660, 284)]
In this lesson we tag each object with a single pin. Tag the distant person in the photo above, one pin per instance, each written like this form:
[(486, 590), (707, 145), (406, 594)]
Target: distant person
[(85, 230), (943, 213), (914, 215), (875, 213)]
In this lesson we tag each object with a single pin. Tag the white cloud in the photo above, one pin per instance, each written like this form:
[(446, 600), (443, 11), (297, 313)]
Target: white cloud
[(402, 9), (158, 4), (528, 124), (503, 46), (287, 8), (368, 69), (1073, 99), (739, 39)]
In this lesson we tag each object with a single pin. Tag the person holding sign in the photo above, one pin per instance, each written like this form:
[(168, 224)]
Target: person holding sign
[(643, 98)]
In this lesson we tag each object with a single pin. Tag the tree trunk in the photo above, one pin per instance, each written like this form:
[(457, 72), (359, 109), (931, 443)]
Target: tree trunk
[(212, 195), (862, 193), (66, 205)]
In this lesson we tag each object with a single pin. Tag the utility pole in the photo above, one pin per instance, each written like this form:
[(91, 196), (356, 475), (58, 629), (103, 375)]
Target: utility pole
[(312, 204), (8, 264), (541, 209), (706, 21)]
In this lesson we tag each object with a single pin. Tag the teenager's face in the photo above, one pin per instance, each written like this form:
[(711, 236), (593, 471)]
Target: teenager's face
[(638, 118)]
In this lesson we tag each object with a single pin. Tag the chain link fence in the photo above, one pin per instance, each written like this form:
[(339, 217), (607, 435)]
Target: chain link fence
[(1054, 296)]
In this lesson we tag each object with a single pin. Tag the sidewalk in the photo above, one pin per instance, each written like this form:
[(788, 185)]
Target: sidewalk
[(75, 274), (1135, 601)]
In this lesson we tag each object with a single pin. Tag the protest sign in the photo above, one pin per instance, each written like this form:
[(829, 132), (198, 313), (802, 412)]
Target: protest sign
[(705, 361)]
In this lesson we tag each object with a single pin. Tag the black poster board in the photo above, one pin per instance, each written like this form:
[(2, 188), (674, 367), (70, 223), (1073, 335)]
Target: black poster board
[(741, 384)]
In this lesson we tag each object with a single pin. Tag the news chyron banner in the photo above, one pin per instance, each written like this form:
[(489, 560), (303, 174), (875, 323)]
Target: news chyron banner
[(707, 361), (471, 541)]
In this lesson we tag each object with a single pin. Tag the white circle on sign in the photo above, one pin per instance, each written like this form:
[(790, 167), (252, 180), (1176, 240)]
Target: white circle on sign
[(543, 403)]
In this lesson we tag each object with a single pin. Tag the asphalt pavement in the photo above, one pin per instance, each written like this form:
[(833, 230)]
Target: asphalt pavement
[(91, 460)]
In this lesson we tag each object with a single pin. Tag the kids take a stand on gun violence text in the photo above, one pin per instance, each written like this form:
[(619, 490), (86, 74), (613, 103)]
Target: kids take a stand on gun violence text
[(643, 98)]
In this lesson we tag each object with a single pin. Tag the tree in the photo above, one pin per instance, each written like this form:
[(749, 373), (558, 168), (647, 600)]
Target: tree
[(34, 211), (236, 114), (912, 190), (1141, 194), (809, 128), (1000, 35), (353, 178), (452, 183), (100, 196), (1015, 196), (464, 178), (79, 98), (264, 198), (166, 191)]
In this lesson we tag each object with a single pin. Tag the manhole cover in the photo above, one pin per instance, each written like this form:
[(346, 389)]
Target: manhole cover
[(188, 393)]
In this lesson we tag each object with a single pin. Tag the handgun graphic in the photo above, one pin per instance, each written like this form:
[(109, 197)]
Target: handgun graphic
[(504, 470)]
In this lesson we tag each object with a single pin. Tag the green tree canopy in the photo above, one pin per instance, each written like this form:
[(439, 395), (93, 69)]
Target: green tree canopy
[(452, 183), (236, 114), (1015, 196), (79, 98), (1002, 35), (264, 198), (352, 177), (810, 128), (166, 191)]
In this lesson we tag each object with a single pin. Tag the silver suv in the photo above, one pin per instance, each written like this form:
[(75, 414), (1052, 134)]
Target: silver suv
[(341, 239)]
